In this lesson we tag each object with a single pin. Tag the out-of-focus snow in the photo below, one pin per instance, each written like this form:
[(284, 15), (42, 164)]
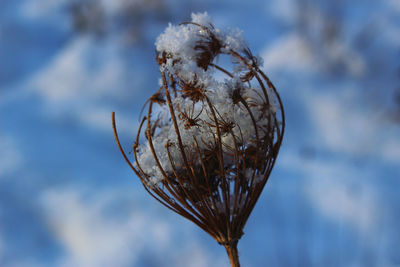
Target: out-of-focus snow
[(334, 192), (83, 71), (93, 234), (290, 53), (294, 53)]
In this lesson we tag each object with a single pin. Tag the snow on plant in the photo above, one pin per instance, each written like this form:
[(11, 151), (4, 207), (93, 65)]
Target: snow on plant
[(211, 133)]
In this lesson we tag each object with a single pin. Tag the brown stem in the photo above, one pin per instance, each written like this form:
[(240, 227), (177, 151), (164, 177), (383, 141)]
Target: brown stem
[(233, 254)]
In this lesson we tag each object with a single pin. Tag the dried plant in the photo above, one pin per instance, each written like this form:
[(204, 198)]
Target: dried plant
[(212, 134)]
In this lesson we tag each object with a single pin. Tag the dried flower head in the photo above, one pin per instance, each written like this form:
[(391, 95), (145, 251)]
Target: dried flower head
[(212, 134)]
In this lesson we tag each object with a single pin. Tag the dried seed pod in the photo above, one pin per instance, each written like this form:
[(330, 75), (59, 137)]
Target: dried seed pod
[(210, 145)]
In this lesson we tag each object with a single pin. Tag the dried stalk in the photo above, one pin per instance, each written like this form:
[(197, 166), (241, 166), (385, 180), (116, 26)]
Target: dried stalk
[(233, 254)]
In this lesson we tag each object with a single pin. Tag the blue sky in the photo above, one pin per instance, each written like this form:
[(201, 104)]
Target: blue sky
[(67, 198)]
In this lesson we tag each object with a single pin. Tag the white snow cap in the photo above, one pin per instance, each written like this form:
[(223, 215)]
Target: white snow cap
[(182, 42), (201, 18)]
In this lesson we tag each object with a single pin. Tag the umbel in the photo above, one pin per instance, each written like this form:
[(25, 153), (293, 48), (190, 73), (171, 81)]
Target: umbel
[(207, 144)]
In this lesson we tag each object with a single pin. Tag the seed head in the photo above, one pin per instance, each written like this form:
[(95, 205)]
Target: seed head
[(212, 133)]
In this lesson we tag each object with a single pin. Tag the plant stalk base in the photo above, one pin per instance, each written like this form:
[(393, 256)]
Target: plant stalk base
[(233, 255)]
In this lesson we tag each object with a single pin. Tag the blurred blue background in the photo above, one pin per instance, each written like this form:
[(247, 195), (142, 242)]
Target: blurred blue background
[(67, 198)]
